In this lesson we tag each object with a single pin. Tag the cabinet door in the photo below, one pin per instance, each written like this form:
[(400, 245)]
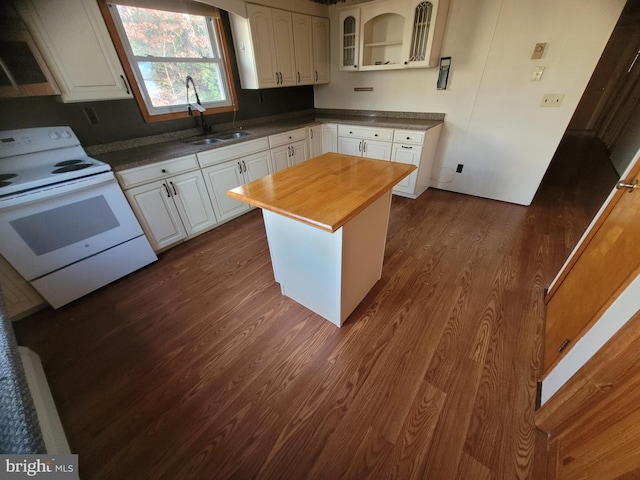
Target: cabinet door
[(300, 152), (349, 39), (157, 213), (283, 45), (280, 157), (219, 179), (329, 137), (263, 45), (74, 40), (303, 47), (424, 32), (350, 146), (407, 154), (377, 150), (256, 166), (191, 197), (321, 50), (315, 141)]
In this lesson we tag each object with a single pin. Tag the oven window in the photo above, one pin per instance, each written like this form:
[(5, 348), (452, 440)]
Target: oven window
[(59, 227)]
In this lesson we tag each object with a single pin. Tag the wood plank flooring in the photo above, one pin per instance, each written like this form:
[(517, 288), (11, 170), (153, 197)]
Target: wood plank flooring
[(197, 368)]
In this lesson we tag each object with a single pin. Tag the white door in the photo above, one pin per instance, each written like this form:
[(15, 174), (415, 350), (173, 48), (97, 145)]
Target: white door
[(280, 157), (321, 49), (407, 154), (329, 138), (256, 166), (157, 214), (219, 179), (349, 39), (303, 47), (191, 197), (315, 141), (300, 152), (283, 43), (262, 40), (377, 150), (350, 146)]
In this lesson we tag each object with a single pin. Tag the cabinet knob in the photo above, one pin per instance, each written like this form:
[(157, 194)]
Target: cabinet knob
[(408, 138), (375, 134), (355, 66), (406, 63), (164, 170)]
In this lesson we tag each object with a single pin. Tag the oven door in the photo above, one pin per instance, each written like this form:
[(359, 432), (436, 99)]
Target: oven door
[(47, 229)]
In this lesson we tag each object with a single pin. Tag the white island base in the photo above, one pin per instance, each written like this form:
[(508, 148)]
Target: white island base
[(329, 273)]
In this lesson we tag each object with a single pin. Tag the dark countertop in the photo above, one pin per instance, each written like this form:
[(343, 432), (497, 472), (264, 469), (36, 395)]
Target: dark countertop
[(139, 152)]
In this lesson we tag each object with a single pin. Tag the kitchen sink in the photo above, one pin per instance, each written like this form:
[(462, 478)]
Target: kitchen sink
[(218, 137), (232, 135), (205, 141)]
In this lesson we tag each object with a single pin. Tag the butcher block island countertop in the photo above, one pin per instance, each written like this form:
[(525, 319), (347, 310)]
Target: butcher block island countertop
[(326, 222), (326, 191)]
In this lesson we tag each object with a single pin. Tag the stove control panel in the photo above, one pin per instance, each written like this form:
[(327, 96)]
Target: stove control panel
[(31, 140)]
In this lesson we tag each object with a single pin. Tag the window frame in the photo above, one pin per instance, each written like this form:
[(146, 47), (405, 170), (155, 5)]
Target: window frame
[(137, 91)]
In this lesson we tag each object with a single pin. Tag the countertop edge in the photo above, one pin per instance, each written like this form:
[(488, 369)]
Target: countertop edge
[(143, 153)]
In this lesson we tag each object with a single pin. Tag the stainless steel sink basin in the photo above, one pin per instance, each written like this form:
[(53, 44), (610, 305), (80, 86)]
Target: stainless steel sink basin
[(205, 141), (217, 138), (232, 135)]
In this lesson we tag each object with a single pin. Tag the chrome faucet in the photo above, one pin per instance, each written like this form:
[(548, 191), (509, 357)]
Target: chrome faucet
[(206, 128)]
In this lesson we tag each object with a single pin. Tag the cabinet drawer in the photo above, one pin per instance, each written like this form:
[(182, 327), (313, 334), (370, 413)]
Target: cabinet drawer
[(408, 136), (222, 154), (382, 134), (156, 171), (287, 137)]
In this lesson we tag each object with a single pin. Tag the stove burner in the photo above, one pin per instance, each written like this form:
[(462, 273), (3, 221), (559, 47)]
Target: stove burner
[(71, 168), (67, 162), (7, 176), (4, 184)]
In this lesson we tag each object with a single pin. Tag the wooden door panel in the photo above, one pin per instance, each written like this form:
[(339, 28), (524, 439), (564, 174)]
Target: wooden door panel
[(605, 263)]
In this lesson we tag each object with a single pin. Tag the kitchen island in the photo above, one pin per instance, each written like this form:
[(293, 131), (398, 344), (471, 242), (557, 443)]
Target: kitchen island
[(326, 222)]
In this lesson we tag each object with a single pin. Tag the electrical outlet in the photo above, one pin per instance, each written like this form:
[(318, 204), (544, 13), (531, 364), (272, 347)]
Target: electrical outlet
[(90, 113), (536, 75), (459, 168), (552, 99)]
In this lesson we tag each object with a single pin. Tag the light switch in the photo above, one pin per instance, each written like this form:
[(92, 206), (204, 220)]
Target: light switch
[(536, 75), (538, 50)]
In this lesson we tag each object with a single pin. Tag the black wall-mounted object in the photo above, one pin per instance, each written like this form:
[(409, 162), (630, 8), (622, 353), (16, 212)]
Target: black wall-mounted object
[(443, 75)]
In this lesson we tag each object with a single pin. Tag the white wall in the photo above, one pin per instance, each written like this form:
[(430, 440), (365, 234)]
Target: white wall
[(494, 124)]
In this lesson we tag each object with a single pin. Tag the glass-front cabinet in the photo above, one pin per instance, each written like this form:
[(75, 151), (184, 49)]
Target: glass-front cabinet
[(391, 34), (349, 38)]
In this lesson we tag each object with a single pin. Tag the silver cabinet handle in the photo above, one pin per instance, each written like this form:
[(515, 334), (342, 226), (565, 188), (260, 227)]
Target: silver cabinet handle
[(404, 146), (244, 166), (174, 188), (239, 167), (126, 84), (167, 189), (364, 147), (311, 133), (316, 75), (298, 77)]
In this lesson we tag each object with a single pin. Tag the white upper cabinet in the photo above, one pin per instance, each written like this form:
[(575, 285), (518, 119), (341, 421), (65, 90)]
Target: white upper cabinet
[(303, 34), (73, 39), (391, 34), (423, 37), (277, 48), (349, 39), (264, 47), (321, 50)]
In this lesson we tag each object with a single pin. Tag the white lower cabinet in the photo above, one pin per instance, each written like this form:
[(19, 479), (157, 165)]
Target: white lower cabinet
[(230, 174), (329, 137), (289, 148), (365, 141), (170, 200), (314, 134), (417, 148)]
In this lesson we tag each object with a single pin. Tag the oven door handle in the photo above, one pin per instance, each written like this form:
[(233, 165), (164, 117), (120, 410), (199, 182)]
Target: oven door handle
[(64, 188)]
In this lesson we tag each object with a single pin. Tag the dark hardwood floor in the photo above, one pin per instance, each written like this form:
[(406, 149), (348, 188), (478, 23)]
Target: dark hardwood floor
[(197, 368)]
